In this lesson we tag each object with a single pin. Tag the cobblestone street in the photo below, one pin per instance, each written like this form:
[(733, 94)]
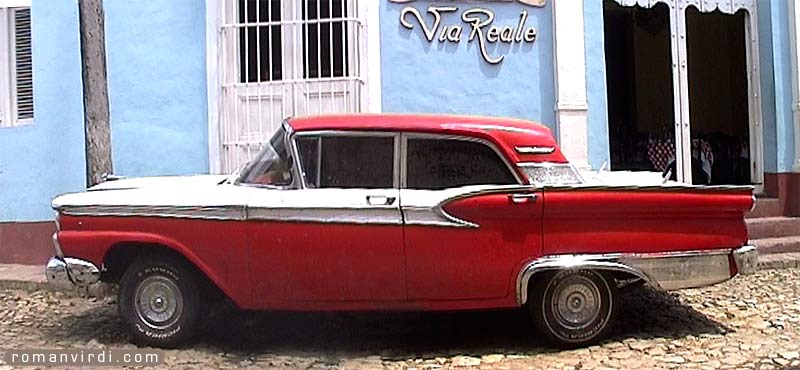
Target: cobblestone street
[(749, 322)]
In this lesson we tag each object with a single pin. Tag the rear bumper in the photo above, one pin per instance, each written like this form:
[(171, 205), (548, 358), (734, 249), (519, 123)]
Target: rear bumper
[(682, 270), (665, 271), (69, 273)]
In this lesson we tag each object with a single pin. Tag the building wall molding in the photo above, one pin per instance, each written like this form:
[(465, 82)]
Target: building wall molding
[(212, 85), (794, 42), (570, 81), (373, 21)]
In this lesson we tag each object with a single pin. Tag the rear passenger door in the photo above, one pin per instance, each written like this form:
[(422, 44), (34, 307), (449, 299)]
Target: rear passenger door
[(468, 219)]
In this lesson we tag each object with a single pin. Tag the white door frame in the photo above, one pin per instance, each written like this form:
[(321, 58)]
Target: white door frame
[(681, 83), (369, 9)]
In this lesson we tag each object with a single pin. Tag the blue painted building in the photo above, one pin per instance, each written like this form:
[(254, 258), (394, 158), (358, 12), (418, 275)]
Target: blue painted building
[(703, 88)]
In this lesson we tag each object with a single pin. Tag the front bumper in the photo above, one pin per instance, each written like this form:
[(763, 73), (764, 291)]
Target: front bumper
[(69, 273)]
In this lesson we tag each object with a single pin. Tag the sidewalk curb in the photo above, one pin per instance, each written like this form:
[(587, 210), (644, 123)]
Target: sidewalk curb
[(779, 261)]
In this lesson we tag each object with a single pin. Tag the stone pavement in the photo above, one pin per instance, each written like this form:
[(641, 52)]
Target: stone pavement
[(749, 322)]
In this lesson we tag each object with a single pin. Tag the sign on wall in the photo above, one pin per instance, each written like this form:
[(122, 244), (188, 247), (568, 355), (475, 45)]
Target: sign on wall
[(477, 25)]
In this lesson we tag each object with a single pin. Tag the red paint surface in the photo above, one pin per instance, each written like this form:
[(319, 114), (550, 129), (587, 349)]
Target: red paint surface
[(473, 263), (605, 221), (307, 266), (515, 133)]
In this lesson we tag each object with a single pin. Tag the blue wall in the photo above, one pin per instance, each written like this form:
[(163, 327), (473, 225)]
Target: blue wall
[(47, 157), (157, 87), (422, 76), (597, 119)]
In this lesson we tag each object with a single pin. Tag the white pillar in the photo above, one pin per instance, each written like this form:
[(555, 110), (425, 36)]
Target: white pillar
[(570, 61), (794, 23)]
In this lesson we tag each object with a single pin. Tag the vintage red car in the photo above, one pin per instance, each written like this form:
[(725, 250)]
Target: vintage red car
[(397, 212)]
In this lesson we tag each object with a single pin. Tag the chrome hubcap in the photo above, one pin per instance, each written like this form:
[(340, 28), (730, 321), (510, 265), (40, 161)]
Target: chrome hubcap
[(158, 301), (577, 302)]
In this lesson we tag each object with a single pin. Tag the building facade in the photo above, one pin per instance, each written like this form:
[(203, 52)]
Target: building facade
[(704, 90)]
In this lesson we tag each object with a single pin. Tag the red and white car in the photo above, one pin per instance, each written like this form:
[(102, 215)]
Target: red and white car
[(396, 212)]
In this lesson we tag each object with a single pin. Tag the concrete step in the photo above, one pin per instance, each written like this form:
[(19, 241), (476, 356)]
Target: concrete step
[(779, 261), (766, 207), (787, 244), (773, 227)]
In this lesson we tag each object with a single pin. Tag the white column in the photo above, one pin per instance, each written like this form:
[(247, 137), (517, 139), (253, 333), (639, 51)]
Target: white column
[(371, 9), (212, 85), (794, 23), (570, 61)]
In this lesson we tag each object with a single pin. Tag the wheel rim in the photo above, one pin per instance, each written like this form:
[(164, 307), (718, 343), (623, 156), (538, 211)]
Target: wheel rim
[(576, 302), (158, 302)]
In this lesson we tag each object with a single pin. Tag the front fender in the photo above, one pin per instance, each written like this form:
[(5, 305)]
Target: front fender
[(94, 246)]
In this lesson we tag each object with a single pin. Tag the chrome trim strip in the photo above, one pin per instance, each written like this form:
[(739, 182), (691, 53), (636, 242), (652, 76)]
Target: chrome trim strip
[(372, 215), (57, 245), (535, 149), (663, 271), (672, 187), (425, 207), (195, 212)]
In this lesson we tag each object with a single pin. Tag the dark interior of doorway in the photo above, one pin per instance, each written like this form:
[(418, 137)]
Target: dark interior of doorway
[(641, 100)]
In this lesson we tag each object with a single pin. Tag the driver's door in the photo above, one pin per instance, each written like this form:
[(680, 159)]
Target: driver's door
[(339, 236)]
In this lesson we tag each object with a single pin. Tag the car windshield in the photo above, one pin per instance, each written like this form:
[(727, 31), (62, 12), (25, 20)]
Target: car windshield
[(273, 166)]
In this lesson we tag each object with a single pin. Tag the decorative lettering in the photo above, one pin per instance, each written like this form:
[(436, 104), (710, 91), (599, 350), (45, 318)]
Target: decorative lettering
[(481, 28)]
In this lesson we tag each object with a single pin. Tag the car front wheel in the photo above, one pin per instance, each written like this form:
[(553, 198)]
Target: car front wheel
[(573, 308), (158, 301)]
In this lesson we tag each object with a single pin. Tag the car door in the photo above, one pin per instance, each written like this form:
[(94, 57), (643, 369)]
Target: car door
[(337, 237), (469, 222)]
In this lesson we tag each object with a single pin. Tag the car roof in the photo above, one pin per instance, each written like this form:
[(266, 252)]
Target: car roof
[(505, 133)]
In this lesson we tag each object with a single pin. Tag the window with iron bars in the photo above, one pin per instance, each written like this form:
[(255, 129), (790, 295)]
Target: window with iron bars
[(16, 67), (282, 59)]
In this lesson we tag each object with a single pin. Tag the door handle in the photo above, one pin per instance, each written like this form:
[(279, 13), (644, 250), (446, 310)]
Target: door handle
[(380, 200), (522, 198)]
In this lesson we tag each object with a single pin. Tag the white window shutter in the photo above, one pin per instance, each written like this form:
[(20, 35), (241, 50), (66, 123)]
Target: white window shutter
[(23, 63)]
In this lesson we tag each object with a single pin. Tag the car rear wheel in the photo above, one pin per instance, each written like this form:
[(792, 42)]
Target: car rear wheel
[(159, 302), (573, 308)]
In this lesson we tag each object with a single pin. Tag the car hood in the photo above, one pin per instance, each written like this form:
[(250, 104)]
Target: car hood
[(161, 182), (202, 196)]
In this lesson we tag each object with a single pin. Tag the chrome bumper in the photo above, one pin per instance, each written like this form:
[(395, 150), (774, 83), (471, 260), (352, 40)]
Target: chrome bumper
[(69, 273), (682, 270), (665, 271)]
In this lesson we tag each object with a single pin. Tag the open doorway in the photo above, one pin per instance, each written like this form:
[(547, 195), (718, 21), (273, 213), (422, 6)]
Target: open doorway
[(718, 94), (641, 113), (640, 48)]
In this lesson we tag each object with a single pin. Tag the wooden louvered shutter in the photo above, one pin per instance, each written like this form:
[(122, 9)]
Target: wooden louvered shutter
[(23, 66)]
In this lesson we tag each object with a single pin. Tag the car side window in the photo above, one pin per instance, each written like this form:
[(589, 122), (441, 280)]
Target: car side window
[(435, 164), (347, 161)]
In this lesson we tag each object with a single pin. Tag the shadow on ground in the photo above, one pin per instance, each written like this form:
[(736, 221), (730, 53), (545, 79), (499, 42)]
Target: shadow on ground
[(644, 314)]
